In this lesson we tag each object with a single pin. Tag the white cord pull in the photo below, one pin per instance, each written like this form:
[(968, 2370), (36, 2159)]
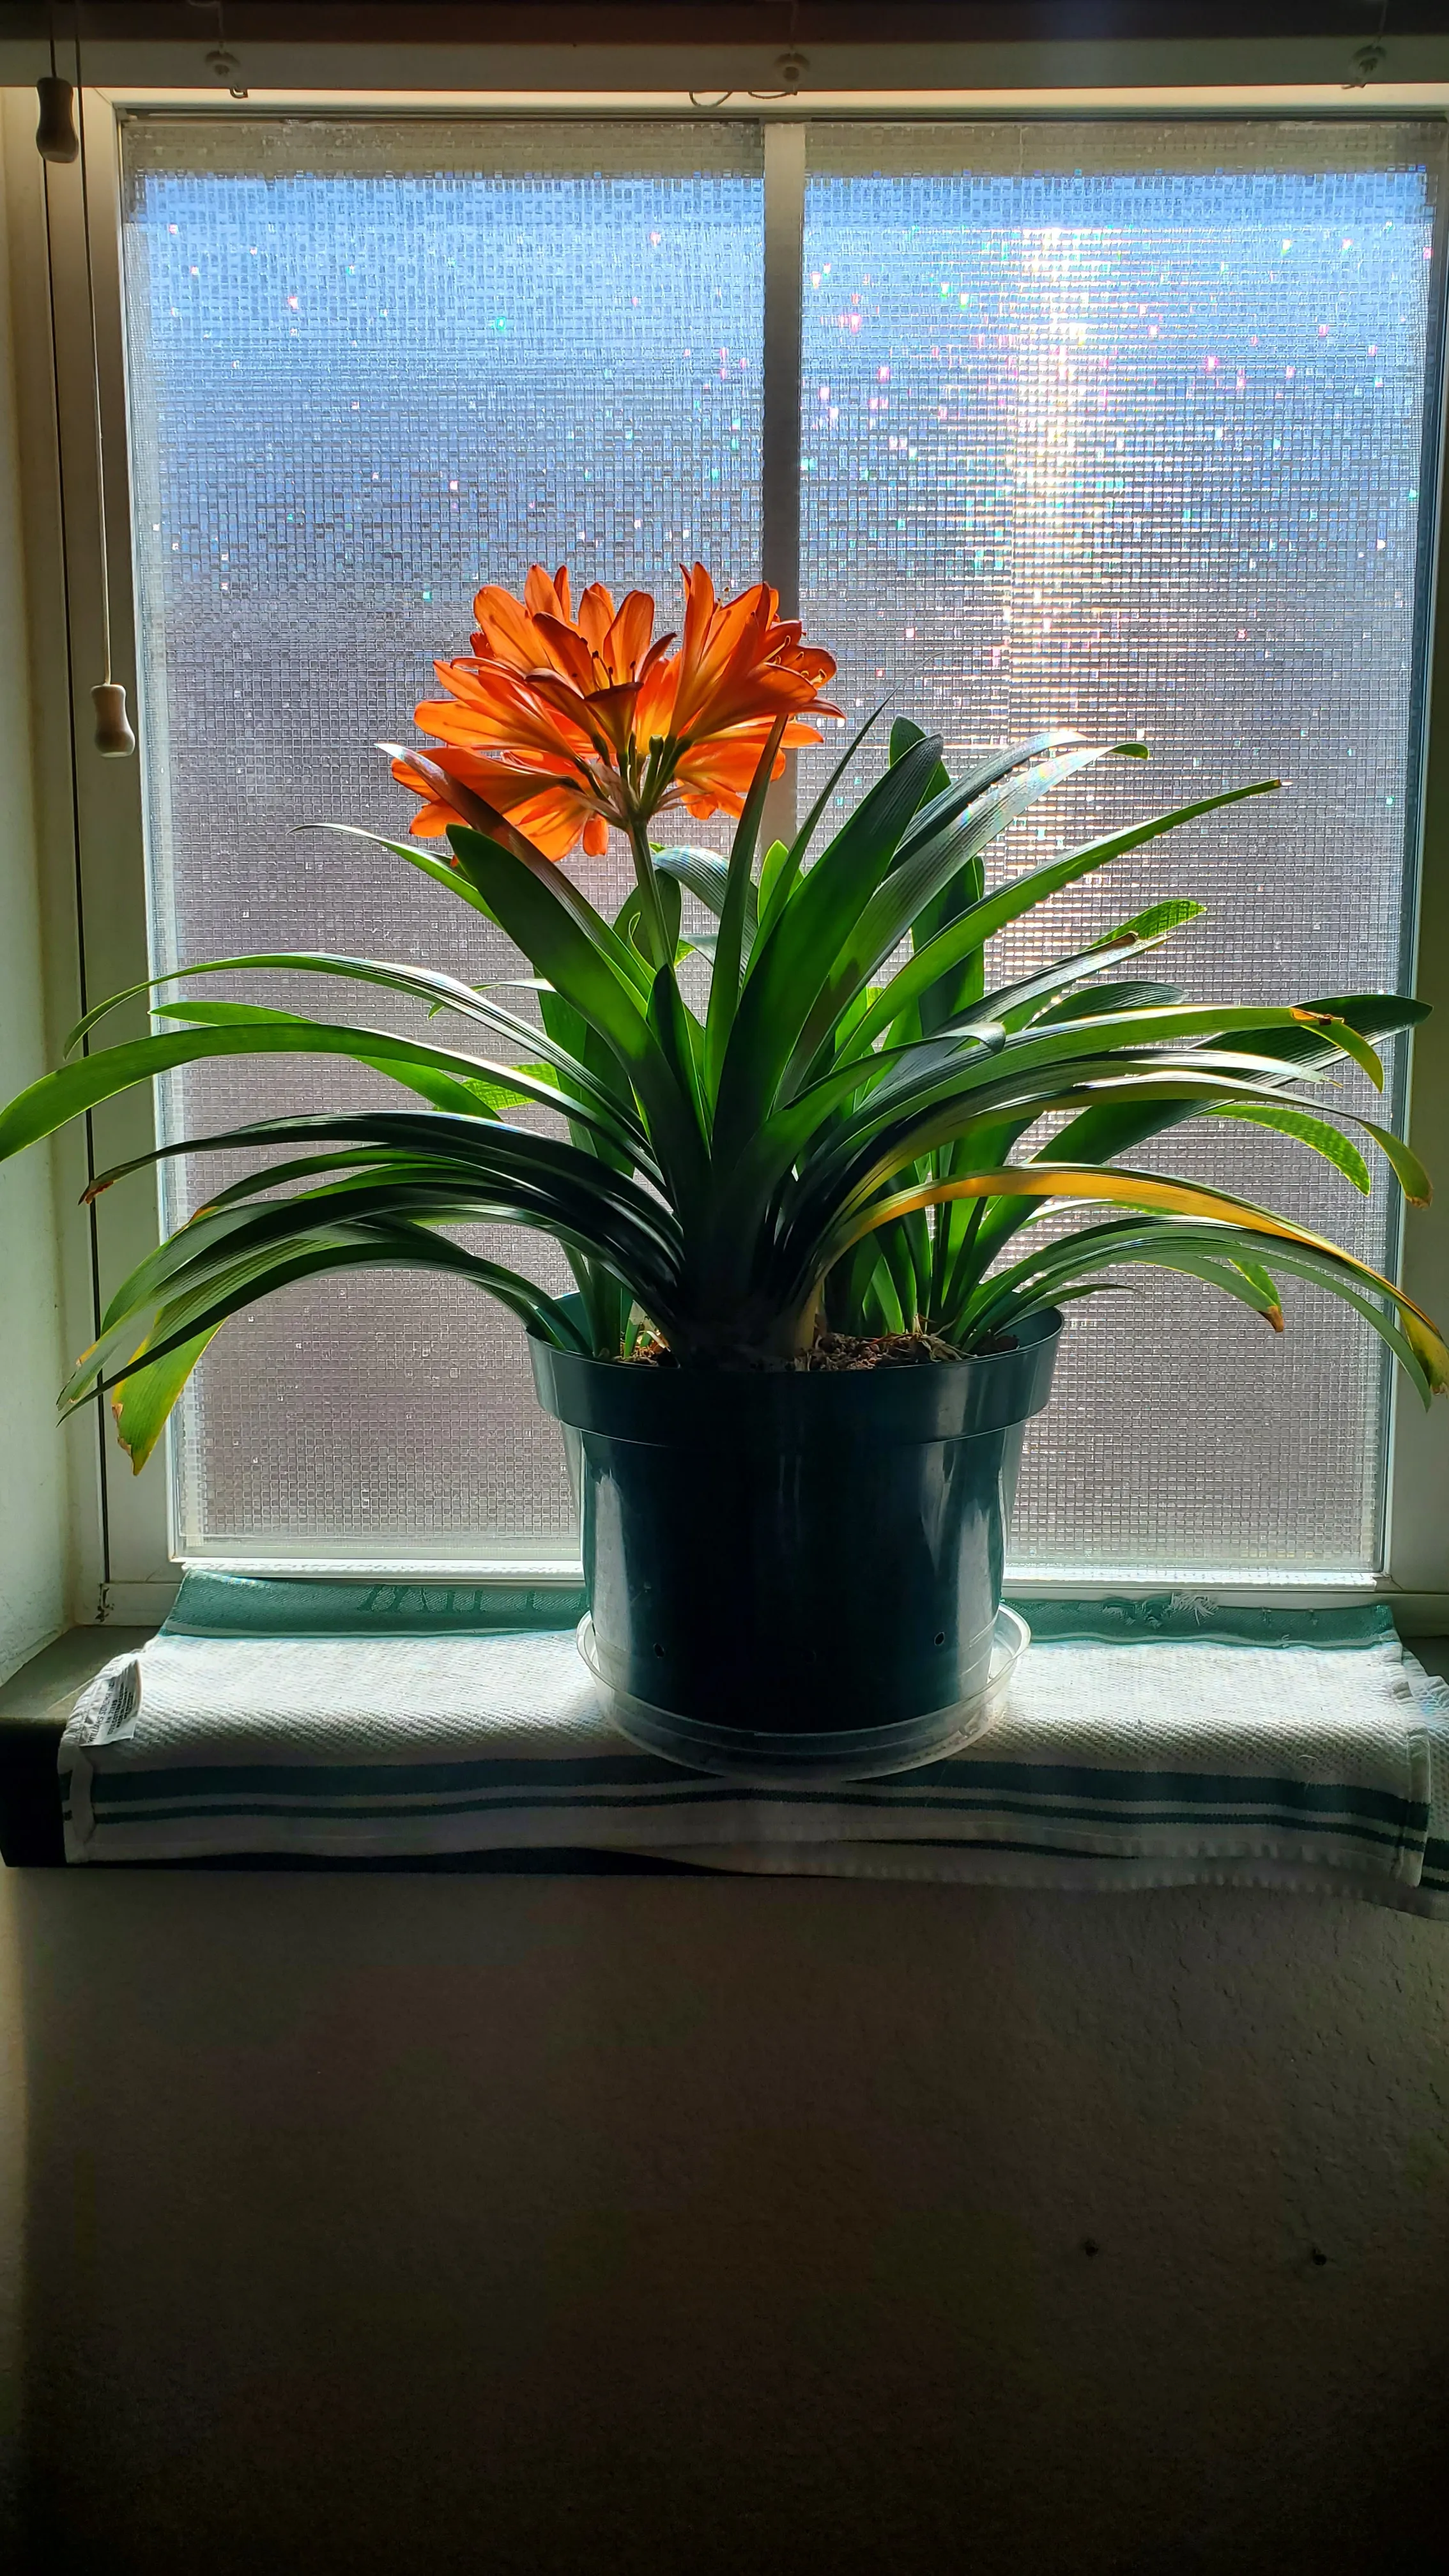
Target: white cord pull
[(114, 738)]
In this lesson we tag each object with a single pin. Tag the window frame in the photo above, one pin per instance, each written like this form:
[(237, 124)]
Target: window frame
[(94, 889)]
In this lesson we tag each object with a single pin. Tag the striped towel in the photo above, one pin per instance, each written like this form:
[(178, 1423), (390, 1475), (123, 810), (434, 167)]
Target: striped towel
[(1146, 1744)]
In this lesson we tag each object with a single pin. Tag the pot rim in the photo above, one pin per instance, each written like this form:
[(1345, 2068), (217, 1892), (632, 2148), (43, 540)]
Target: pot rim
[(1041, 1325), (786, 1408)]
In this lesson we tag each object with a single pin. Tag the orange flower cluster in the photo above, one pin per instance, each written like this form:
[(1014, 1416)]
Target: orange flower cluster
[(567, 725)]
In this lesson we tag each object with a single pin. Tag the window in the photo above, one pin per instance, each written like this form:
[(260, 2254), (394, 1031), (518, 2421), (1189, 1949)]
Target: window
[(1127, 424)]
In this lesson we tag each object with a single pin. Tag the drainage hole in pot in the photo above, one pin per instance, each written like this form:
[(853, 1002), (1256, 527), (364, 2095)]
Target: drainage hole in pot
[(940, 1636)]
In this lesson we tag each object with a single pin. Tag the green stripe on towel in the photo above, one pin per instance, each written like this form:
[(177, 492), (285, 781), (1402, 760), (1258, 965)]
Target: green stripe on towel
[(268, 1605), (254, 1605)]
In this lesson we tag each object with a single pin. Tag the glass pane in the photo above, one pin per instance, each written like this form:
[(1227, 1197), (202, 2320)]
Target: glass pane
[(1122, 426), (373, 364)]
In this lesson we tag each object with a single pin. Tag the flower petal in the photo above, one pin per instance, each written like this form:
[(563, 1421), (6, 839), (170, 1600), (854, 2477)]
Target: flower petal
[(627, 643)]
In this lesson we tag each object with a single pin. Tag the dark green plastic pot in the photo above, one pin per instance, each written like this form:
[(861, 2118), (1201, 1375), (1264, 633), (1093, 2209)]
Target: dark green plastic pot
[(805, 1565)]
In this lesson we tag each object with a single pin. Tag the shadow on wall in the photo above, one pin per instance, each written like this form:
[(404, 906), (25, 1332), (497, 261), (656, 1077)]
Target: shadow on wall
[(402, 2224)]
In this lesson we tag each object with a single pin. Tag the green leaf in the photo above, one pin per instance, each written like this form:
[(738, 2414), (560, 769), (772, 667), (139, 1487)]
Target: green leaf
[(582, 965), (220, 1298), (1148, 1190), (1261, 1281), (144, 1402), (670, 1020), (1342, 1033), (496, 1096), (787, 873), (452, 1170), (983, 1108), (1022, 895), (1146, 928), (1299, 1046), (919, 873), (417, 983), (1094, 999), (904, 738), (442, 871), (705, 875), (773, 862), (631, 924), (787, 976), (438, 1088), (739, 900), (1414, 1181), (75, 1088), (1041, 1285), (1315, 1132)]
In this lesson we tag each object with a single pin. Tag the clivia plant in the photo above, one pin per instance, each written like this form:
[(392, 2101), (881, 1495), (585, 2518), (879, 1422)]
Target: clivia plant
[(837, 1165)]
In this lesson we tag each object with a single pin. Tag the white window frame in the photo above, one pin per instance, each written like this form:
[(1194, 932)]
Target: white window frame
[(94, 889)]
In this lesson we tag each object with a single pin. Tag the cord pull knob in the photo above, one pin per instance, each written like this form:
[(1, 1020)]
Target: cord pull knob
[(114, 738), (55, 136)]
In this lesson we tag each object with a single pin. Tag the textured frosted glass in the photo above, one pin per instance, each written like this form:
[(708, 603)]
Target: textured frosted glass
[(1122, 427), (373, 364)]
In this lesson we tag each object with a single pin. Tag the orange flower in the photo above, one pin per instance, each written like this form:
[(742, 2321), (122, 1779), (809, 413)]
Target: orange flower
[(567, 725)]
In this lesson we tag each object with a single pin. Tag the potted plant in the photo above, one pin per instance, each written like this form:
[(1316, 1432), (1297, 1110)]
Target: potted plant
[(815, 1302)]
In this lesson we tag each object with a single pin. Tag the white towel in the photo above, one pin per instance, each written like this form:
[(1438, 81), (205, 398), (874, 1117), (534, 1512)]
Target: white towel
[(1142, 1764)]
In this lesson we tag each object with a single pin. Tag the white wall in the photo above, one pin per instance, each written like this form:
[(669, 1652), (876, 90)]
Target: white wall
[(396, 2224), (32, 1455)]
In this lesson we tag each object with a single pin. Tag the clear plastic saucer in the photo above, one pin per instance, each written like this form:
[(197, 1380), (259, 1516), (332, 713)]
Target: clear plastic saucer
[(763, 1759)]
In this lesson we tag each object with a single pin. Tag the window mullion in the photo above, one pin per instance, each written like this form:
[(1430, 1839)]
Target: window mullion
[(780, 460)]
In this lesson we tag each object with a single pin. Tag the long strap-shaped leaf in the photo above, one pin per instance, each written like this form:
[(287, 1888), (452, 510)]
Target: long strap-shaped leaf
[(1205, 1251), (1147, 1190), (529, 903), (572, 1197), (256, 1241), (903, 1120), (444, 872), (505, 841), (729, 954), (74, 1088), (784, 1137), (705, 875), (143, 1402), (496, 1087), (904, 736), (1009, 902), (943, 805), (1304, 1049), (418, 983), (914, 882), (1034, 1281), (184, 1328), (786, 876), (473, 1146), (1165, 1253), (786, 979), (851, 1185), (1027, 996)]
